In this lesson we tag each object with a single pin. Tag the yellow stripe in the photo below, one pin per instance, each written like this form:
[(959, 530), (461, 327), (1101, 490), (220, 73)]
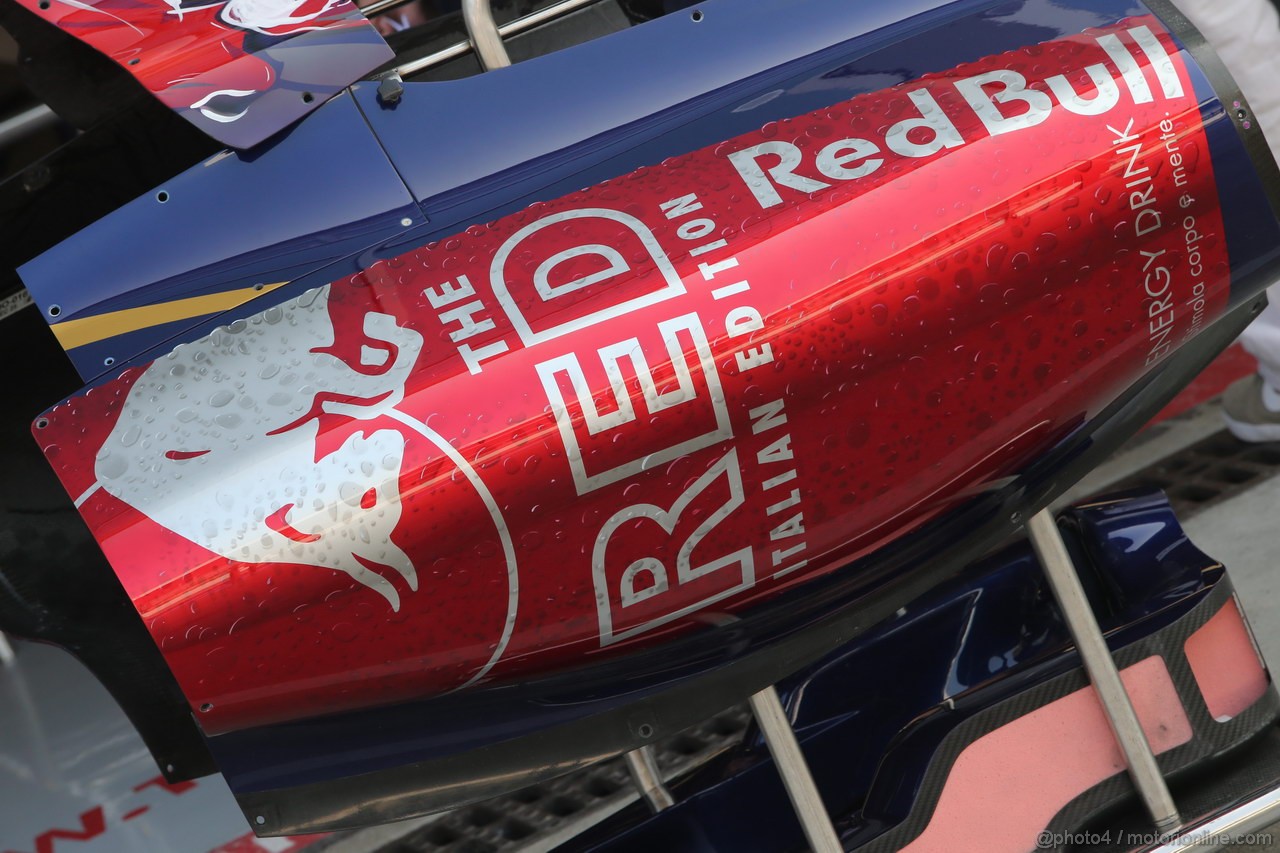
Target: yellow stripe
[(86, 330)]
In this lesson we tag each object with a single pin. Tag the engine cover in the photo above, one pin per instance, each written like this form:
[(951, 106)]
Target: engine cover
[(686, 408)]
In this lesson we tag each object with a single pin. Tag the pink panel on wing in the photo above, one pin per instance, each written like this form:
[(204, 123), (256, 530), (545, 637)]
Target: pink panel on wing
[(1226, 665), (1006, 786)]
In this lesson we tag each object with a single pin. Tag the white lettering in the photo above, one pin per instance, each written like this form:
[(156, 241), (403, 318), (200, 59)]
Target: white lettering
[(932, 119), (1015, 88), (1107, 97), (783, 174)]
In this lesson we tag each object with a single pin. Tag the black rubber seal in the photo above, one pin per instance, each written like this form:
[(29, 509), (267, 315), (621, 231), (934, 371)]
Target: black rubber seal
[(1228, 91)]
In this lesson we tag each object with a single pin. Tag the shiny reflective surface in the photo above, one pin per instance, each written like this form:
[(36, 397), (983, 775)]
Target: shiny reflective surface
[(240, 70), (547, 126), (221, 235), (602, 421)]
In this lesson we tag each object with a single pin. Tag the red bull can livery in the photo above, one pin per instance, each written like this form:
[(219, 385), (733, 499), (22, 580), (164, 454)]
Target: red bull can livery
[(650, 406)]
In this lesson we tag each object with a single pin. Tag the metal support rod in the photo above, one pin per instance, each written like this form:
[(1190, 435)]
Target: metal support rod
[(379, 6), (648, 778), (7, 657), (484, 34), (507, 30), (15, 128), (805, 800), (1046, 539)]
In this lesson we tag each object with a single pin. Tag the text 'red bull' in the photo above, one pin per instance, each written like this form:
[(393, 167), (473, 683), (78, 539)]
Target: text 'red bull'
[(609, 417)]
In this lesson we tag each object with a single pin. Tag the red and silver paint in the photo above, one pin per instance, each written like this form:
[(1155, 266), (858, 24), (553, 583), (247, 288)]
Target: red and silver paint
[(240, 70), (616, 416), (233, 407)]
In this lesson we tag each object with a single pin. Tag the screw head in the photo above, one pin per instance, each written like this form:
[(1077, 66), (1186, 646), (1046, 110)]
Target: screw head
[(390, 90)]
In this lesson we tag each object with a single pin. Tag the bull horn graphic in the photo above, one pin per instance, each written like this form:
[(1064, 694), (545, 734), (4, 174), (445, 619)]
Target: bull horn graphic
[(217, 442)]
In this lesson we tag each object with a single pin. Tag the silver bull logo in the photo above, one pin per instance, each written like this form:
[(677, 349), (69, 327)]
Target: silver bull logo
[(217, 442)]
